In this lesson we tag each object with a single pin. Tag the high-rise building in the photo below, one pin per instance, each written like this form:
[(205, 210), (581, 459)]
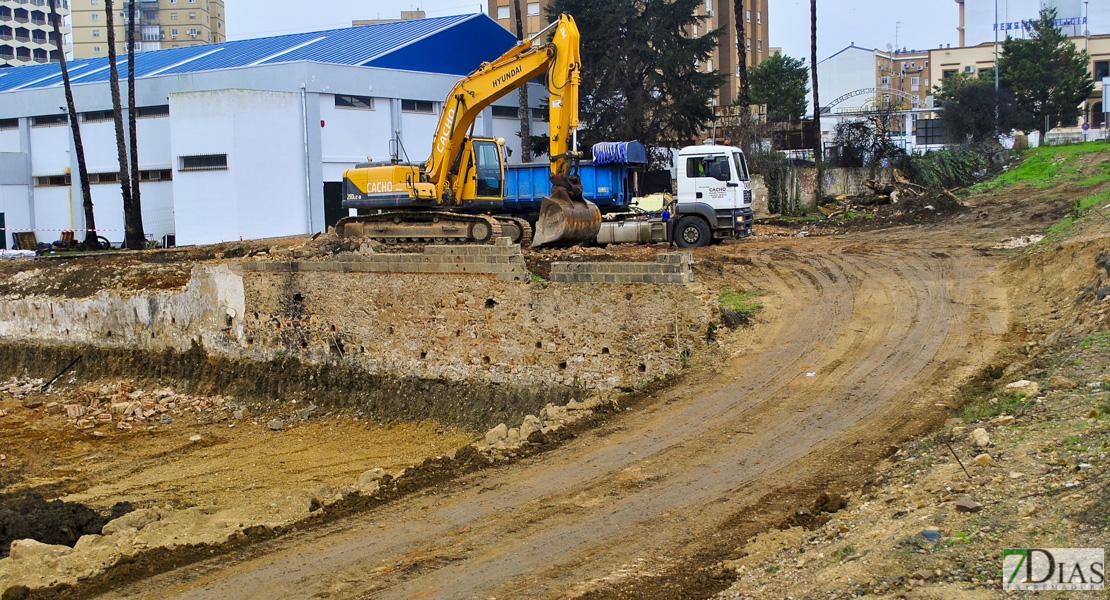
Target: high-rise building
[(162, 24), (26, 34), (717, 13), (756, 40)]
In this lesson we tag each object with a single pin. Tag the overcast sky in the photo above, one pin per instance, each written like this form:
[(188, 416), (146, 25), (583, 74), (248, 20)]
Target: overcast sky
[(868, 23)]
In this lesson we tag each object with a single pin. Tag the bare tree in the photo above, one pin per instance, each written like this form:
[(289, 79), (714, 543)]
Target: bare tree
[(82, 172), (743, 97), (117, 110), (525, 121), (813, 73), (133, 214)]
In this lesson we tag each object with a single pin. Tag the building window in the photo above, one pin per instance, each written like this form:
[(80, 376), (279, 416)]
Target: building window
[(695, 31), (505, 112), (193, 16), (96, 178), (418, 106), (96, 16), (360, 102), (759, 16), (203, 162), (96, 33), (503, 12), (947, 74), (709, 7), (538, 114), (96, 49), (709, 65), (173, 32), (52, 180), (153, 111), (759, 46), (748, 16), (156, 175), (533, 9), (99, 115), (173, 16), (48, 120), (193, 31), (1102, 70), (915, 84), (6, 124)]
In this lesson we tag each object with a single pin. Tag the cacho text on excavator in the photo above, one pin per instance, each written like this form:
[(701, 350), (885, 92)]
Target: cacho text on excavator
[(456, 195)]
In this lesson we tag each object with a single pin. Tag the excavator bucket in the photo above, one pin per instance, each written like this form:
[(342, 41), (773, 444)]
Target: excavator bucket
[(566, 218)]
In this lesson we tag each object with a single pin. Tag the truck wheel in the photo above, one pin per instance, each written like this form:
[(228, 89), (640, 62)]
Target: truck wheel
[(691, 232)]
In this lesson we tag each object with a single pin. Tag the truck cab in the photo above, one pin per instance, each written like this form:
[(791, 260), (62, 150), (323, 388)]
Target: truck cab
[(714, 196)]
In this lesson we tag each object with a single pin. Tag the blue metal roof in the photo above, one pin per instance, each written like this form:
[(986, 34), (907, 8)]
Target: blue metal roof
[(455, 45)]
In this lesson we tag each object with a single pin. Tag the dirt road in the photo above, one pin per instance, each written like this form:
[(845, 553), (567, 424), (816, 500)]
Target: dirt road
[(861, 345)]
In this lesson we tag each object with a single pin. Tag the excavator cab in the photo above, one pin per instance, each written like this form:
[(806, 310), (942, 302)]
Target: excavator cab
[(485, 170)]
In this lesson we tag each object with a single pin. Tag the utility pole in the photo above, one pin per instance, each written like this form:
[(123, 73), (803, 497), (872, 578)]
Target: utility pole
[(996, 107)]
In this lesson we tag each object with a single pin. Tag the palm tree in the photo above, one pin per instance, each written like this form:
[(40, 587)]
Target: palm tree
[(82, 172), (133, 215), (525, 123), (813, 73), (117, 112), (743, 98)]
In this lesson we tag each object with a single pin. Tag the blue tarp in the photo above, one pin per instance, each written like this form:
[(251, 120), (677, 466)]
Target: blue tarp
[(621, 153)]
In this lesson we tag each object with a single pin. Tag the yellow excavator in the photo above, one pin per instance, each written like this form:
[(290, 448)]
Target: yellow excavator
[(443, 200)]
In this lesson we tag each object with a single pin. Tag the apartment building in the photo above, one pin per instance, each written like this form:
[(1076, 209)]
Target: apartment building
[(979, 60), (717, 13), (26, 31), (162, 24)]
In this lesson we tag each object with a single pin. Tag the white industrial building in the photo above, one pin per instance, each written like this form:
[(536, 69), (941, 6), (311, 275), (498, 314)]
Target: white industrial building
[(977, 18), (243, 139)]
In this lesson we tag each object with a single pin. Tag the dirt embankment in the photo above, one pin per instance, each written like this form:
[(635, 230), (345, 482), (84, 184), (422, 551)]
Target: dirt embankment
[(867, 340)]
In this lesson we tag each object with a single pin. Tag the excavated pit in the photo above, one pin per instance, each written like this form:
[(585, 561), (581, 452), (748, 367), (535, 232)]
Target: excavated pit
[(274, 385)]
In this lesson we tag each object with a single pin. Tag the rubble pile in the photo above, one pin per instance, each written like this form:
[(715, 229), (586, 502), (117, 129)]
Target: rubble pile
[(119, 405)]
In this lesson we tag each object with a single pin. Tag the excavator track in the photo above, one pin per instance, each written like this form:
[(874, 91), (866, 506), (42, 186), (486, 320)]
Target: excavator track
[(421, 227), (516, 229)]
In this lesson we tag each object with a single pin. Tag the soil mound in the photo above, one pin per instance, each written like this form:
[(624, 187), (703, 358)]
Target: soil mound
[(30, 516)]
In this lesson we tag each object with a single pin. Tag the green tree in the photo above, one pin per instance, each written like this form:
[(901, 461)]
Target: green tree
[(781, 82), (1047, 73), (951, 86), (640, 70), (970, 113)]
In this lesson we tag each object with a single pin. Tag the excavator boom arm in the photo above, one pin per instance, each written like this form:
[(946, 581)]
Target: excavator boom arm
[(493, 80)]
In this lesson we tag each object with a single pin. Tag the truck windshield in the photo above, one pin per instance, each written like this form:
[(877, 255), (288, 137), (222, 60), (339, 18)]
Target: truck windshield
[(487, 169), (741, 166), (709, 166)]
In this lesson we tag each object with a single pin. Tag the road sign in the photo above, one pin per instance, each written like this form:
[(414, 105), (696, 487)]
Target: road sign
[(1086, 126)]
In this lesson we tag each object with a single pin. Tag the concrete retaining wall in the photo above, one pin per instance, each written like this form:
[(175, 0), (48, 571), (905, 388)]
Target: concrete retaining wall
[(799, 185), (453, 313), (669, 268)]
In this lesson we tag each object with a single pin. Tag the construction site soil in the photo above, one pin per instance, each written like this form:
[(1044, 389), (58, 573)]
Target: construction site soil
[(873, 332)]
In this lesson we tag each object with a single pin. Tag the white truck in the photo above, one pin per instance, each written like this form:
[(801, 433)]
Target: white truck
[(713, 202)]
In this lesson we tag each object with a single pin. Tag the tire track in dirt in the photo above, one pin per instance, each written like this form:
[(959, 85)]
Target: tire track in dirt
[(617, 507)]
